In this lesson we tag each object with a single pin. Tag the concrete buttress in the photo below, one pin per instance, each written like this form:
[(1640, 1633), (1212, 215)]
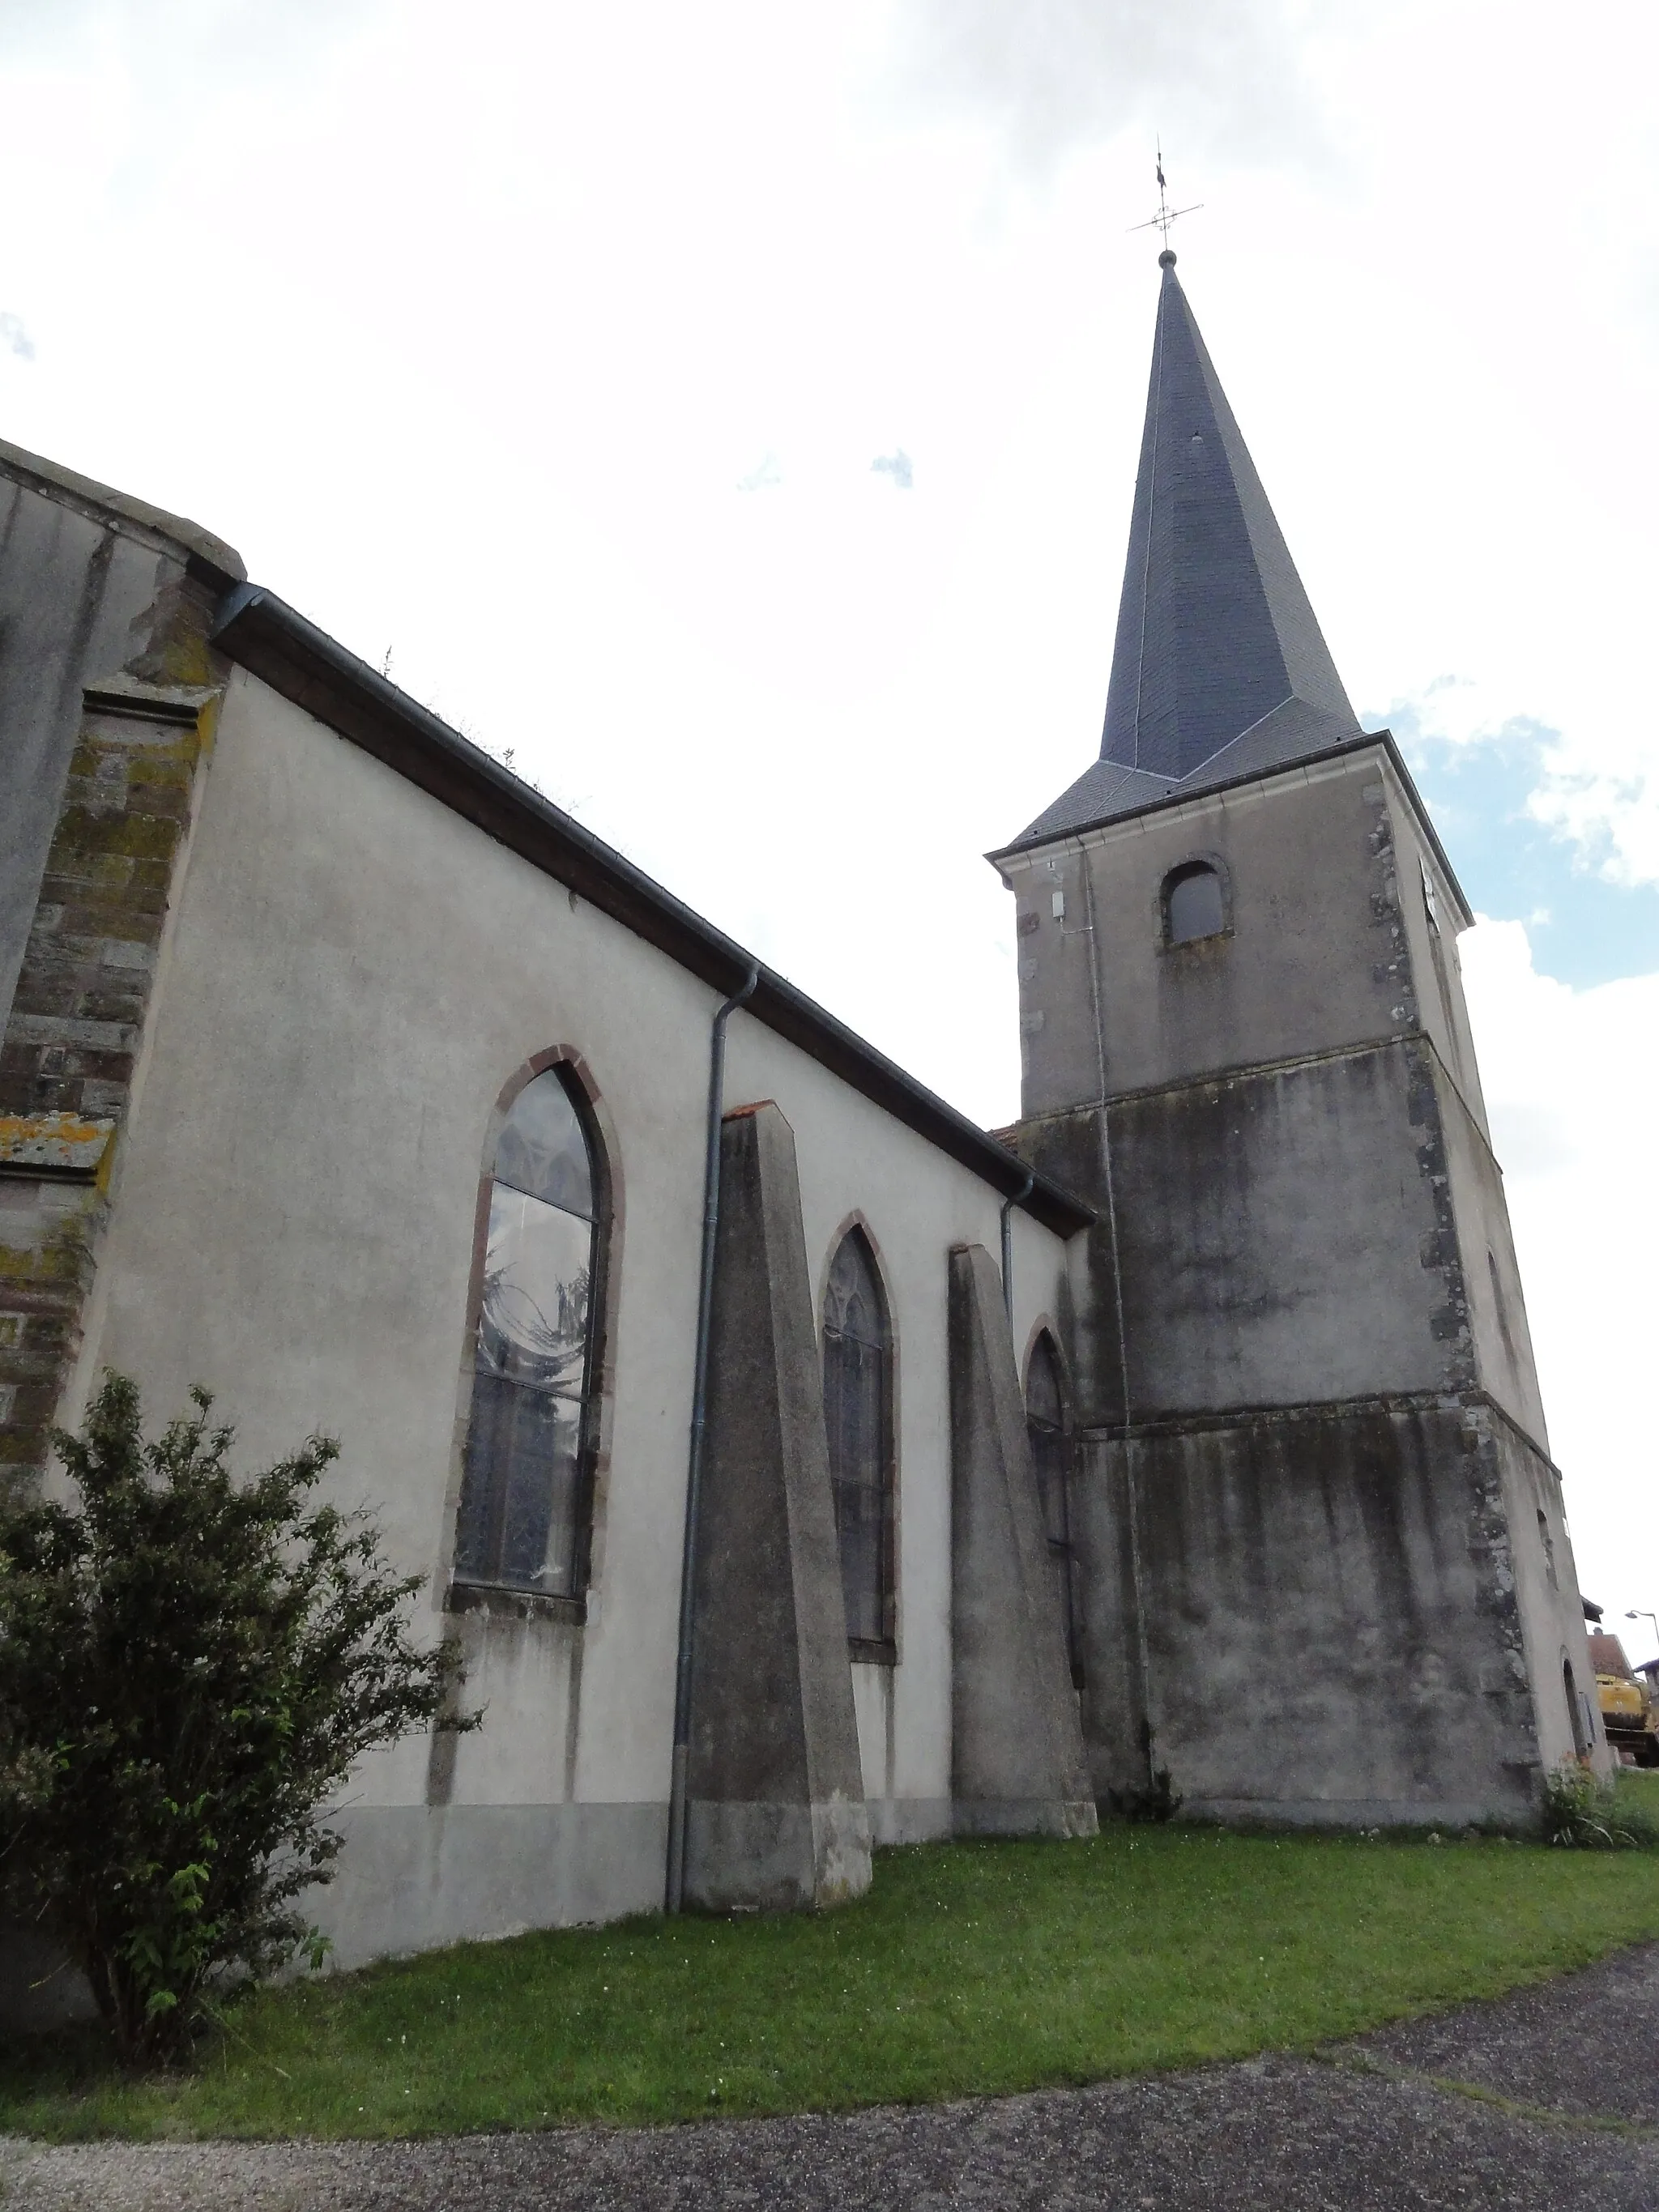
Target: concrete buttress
[(1018, 1759), (776, 1812)]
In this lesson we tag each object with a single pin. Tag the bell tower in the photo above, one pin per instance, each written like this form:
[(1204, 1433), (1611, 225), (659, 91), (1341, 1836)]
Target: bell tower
[(1325, 1574)]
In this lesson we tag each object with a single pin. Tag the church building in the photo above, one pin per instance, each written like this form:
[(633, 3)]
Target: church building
[(799, 1466)]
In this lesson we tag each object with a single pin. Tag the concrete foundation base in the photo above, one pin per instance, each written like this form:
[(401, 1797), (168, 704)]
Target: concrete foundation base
[(909, 1820), (412, 1877), (1025, 1816), (1356, 1814), (763, 1848)]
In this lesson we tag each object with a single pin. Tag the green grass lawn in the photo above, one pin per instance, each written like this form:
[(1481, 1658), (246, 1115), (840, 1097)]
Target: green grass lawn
[(968, 1968)]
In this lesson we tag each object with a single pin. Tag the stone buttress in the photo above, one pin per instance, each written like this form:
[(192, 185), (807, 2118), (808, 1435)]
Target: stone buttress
[(1017, 1766), (776, 1811)]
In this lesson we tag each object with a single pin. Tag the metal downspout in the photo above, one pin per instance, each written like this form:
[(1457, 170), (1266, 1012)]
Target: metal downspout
[(1008, 1205), (711, 1216), (1137, 1579)]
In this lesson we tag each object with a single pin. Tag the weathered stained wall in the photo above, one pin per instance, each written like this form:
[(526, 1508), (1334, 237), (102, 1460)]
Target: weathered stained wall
[(1547, 1598), (1331, 1629), (1315, 957), (107, 694), (1302, 1304), (1276, 1236), (1428, 918), (91, 585), (1500, 1341)]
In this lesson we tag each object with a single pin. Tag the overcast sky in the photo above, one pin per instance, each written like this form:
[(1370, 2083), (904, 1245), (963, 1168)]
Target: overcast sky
[(734, 411)]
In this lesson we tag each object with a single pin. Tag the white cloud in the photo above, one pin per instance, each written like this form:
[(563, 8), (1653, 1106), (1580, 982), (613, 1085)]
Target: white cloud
[(1603, 801), (1570, 1080), (1055, 75), (14, 338), (1615, 818), (1459, 710)]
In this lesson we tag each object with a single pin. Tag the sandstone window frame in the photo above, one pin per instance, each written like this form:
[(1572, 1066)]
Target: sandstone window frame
[(482, 1572), (1578, 1712), (859, 1364)]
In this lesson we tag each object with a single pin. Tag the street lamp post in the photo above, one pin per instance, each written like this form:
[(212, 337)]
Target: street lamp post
[(1636, 1614)]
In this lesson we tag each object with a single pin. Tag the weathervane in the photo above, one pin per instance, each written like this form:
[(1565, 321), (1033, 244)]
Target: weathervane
[(1166, 214)]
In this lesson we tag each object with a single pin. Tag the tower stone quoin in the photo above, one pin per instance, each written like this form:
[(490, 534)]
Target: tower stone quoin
[(1325, 1569)]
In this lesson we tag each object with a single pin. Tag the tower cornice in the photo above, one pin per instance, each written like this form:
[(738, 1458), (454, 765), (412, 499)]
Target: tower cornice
[(1335, 760)]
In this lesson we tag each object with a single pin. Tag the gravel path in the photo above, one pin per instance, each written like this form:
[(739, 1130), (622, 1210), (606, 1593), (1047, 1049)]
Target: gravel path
[(1558, 2110)]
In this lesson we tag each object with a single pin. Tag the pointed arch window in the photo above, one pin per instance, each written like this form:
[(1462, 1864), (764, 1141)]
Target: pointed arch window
[(1049, 1429), (523, 1522), (858, 1418), (1578, 1713), (1193, 903)]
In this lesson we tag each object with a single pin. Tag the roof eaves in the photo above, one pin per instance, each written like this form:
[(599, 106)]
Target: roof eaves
[(206, 555), (306, 665), (1180, 797)]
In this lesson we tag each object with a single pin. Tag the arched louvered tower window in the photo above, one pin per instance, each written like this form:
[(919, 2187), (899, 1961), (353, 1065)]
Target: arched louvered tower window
[(1193, 903), (523, 1495), (1051, 1449), (858, 1416)]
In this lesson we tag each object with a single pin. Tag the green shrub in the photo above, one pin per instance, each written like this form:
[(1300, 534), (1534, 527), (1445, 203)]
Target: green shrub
[(1586, 1815), (189, 1667)]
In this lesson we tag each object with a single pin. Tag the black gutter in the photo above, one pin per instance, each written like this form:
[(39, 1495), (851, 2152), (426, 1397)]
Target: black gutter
[(271, 641), (1179, 797)]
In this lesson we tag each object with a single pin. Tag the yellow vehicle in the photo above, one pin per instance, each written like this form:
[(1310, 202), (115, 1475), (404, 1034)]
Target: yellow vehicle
[(1628, 1717)]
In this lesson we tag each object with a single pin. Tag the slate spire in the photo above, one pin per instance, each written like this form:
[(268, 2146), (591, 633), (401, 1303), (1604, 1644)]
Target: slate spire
[(1218, 668)]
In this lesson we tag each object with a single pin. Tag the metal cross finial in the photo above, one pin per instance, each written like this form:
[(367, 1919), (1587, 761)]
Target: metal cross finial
[(1166, 214)]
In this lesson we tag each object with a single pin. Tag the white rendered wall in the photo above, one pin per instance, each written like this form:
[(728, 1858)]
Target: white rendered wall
[(355, 973)]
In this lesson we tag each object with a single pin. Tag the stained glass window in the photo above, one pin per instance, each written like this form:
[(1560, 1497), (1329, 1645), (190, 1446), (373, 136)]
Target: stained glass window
[(522, 1494), (1051, 1449), (857, 1398)]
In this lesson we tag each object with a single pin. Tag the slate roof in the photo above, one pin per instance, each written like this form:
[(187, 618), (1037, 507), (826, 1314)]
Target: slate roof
[(1220, 669)]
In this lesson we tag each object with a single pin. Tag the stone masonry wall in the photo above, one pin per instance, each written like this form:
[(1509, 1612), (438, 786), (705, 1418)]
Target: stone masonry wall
[(71, 1049), (1330, 1627)]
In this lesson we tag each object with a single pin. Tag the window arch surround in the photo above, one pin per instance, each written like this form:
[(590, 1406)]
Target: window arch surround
[(859, 1350), (1049, 1427), (1583, 1741), (478, 1572), (1195, 901)]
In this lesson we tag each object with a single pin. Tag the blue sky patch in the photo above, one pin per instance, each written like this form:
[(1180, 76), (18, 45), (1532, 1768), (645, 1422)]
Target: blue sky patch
[(1583, 929)]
